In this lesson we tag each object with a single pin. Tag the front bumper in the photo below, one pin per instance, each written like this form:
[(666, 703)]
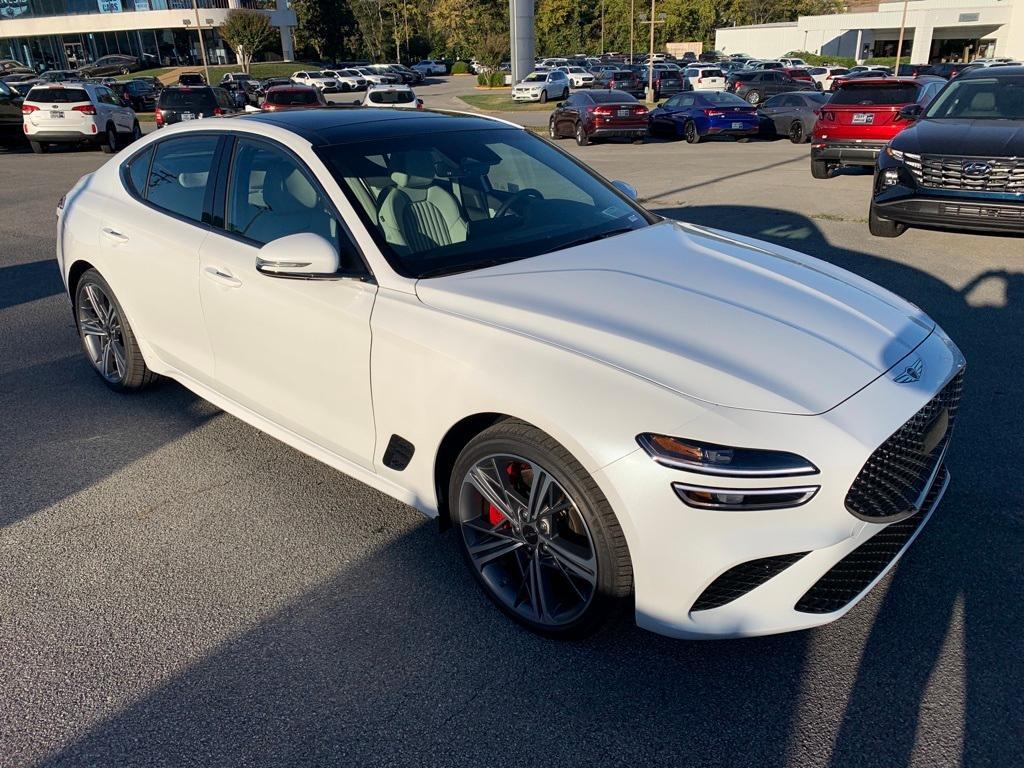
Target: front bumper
[(678, 552), (525, 96), (978, 211), (847, 151)]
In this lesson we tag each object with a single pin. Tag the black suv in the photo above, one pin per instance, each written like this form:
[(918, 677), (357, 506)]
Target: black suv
[(961, 164), (138, 94), (188, 103)]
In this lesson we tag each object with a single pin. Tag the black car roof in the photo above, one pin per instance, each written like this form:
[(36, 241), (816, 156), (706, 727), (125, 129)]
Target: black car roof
[(977, 72), (342, 125)]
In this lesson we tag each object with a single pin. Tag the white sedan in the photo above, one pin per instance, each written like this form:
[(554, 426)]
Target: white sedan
[(613, 410)]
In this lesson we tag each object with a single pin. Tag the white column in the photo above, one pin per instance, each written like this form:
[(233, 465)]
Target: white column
[(856, 50), (287, 41), (234, 3), (922, 50)]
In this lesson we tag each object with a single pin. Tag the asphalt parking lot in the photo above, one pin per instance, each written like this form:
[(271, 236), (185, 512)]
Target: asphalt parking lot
[(178, 589)]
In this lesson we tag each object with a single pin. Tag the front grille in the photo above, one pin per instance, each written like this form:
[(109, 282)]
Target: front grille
[(852, 575), (742, 578), (895, 475), (979, 174)]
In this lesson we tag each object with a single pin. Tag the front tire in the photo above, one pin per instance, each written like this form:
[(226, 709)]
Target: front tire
[(544, 96), (136, 132), (107, 339), (537, 533), (552, 130), (881, 227), (753, 98)]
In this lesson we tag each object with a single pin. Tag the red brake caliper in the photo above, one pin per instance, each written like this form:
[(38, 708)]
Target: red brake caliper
[(494, 516)]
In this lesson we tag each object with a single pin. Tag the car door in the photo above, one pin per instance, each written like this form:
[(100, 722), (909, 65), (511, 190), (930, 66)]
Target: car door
[(10, 112), (297, 352), (150, 239)]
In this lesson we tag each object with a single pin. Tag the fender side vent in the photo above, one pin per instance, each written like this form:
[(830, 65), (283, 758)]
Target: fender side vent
[(399, 453)]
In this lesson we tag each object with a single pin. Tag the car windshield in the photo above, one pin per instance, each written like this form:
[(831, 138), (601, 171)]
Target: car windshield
[(174, 98), (876, 94), (392, 97), (58, 95), (292, 97), (723, 99), (440, 203), (314, 74), (980, 99), (535, 77)]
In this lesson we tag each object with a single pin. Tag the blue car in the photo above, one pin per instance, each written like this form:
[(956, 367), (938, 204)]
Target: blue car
[(696, 114)]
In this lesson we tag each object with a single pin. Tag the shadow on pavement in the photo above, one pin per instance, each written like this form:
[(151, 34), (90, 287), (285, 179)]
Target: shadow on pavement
[(399, 660)]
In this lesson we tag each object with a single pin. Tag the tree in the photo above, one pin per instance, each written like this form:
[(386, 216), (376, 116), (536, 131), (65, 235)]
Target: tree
[(248, 33), (327, 28)]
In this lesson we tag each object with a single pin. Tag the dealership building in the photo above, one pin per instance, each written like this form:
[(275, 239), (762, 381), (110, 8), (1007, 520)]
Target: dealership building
[(935, 31), (64, 34)]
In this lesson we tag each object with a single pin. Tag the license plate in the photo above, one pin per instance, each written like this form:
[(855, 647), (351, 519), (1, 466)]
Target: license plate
[(863, 118), (56, 114), (187, 116), (737, 126), (623, 113)]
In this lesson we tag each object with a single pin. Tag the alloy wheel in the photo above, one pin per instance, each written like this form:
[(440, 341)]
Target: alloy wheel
[(99, 324), (527, 540), (551, 129), (796, 132)]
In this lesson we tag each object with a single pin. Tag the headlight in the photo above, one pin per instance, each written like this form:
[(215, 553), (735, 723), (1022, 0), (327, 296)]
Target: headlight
[(711, 459), (895, 154)]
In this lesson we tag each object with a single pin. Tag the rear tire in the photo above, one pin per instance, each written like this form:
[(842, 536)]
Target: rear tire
[(571, 540), (38, 147), (690, 133), (820, 169), (753, 98), (109, 145), (796, 132), (107, 339), (136, 132), (581, 135), (881, 227)]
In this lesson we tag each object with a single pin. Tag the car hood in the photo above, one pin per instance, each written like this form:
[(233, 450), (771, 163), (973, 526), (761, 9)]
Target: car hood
[(729, 321), (976, 138)]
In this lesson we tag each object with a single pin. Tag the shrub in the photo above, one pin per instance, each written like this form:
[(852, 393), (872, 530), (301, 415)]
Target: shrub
[(491, 79), (816, 60), (460, 68)]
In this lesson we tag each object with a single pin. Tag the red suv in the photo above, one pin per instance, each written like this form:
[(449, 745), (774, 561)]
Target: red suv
[(862, 116)]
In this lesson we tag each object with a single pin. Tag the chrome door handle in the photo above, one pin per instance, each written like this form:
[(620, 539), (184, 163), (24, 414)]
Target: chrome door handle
[(114, 235), (223, 277)]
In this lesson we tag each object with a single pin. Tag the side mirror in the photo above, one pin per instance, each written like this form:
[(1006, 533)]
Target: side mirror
[(627, 189), (911, 111), (302, 256), (559, 105)]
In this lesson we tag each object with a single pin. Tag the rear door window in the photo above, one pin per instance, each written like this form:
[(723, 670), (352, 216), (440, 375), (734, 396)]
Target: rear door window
[(179, 175)]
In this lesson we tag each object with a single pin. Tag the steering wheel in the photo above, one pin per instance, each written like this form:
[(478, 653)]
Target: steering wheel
[(519, 197)]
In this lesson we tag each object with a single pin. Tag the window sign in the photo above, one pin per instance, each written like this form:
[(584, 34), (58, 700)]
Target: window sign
[(109, 6), (11, 9)]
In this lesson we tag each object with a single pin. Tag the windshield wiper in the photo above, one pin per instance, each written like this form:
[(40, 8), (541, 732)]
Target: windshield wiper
[(593, 238)]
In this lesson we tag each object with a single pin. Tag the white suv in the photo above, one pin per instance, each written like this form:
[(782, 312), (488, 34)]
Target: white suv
[(395, 96), (431, 67), (71, 113), (318, 80), (578, 76), (347, 79), (542, 86)]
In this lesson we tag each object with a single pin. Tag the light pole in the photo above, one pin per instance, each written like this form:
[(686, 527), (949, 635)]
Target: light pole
[(899, 45), (633, 14), (650, 58), (199, 31), (602, 26)]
